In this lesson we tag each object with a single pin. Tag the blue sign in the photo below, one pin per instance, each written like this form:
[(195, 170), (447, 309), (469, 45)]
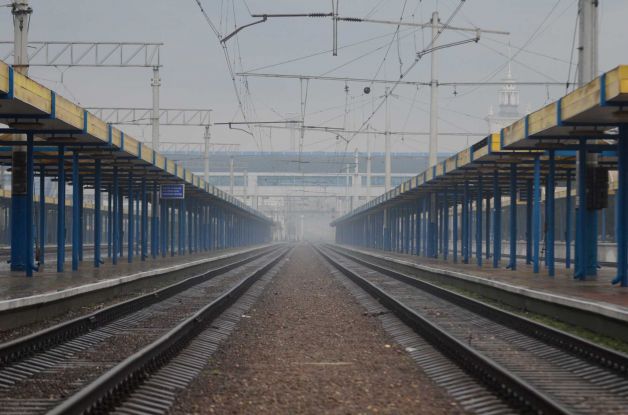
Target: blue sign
[(172, 191)]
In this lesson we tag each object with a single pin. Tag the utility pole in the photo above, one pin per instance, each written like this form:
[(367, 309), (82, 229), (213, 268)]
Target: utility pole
[(588, 36), (434, 95), (387, 161), (155, 83), (356, 178), (206, 153), (19, 184), (368, 167)]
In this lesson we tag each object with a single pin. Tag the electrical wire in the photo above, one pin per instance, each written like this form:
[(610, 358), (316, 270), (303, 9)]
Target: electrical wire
[(392, 89), (323, 52), (229, 67), (513, 57)]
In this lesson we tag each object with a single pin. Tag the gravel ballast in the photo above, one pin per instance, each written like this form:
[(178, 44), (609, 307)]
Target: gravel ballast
[(308, 347)]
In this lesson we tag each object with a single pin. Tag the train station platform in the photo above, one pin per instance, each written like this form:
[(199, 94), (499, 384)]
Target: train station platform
[(48, 286), (594, 297)]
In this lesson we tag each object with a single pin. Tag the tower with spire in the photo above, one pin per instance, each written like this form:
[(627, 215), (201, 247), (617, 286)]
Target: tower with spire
[(508, 110)]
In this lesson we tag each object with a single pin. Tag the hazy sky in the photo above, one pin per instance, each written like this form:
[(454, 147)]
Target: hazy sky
[(195, 74)]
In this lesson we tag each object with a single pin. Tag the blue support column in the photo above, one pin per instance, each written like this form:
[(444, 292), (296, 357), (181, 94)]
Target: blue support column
[(172, 222), (529, 200), (19, 202), (512, 263), (109, 221), (417, 245), (455, 225), (190, 223), (180, 237), (568, 223), (30, 190), (422, 201), (76, 217), (445, 226), (154, 223), (536, 214), (621, 213), (586, 225), (42, 215), (406, 231), (138, 223), (487, 227), (387, 231), (131, 220), (163, 221), (144, 221), (211, 228), (116, 218), (441, 227), (61, 225), (97, 216), (81, 219), (121, 222), (497, 221), (465, 223), (478, 222), (550, 213)]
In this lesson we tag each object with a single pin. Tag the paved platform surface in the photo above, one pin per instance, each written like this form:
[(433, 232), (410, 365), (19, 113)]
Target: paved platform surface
[(14, 285), (599, 291)]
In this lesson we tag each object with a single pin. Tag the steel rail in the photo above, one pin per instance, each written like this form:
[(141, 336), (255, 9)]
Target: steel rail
[(593, 353), (519, 393), (113, 386), (40, 341)]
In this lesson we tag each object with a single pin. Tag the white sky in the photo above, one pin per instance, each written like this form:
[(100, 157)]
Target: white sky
[(195, 74)]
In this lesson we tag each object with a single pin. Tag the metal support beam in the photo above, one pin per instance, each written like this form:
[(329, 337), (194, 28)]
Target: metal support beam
[(81, 219), (568, 224), (109, 220), (154, 223), (97, 215), (512, 264), (172, 223), (497, 221), (529, 208), (61, 210), (487, 226), (550, 214), (130, 220), (478, 222), (116, 218), (419, 227), (465, 223), (536, 214), (445, 227), (76, 216), (144, 221), (30, 190), (586, 225), (621, 214), (455, 225), (42, 215)]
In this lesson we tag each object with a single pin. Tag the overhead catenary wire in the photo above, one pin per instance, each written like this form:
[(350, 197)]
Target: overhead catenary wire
[(414, 63), (229, 66)]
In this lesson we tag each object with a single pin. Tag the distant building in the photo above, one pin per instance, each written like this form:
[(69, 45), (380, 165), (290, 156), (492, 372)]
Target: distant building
[(508, 110)]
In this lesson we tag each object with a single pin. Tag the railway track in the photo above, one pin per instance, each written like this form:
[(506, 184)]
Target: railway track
[(41, 370), (531, 367)]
